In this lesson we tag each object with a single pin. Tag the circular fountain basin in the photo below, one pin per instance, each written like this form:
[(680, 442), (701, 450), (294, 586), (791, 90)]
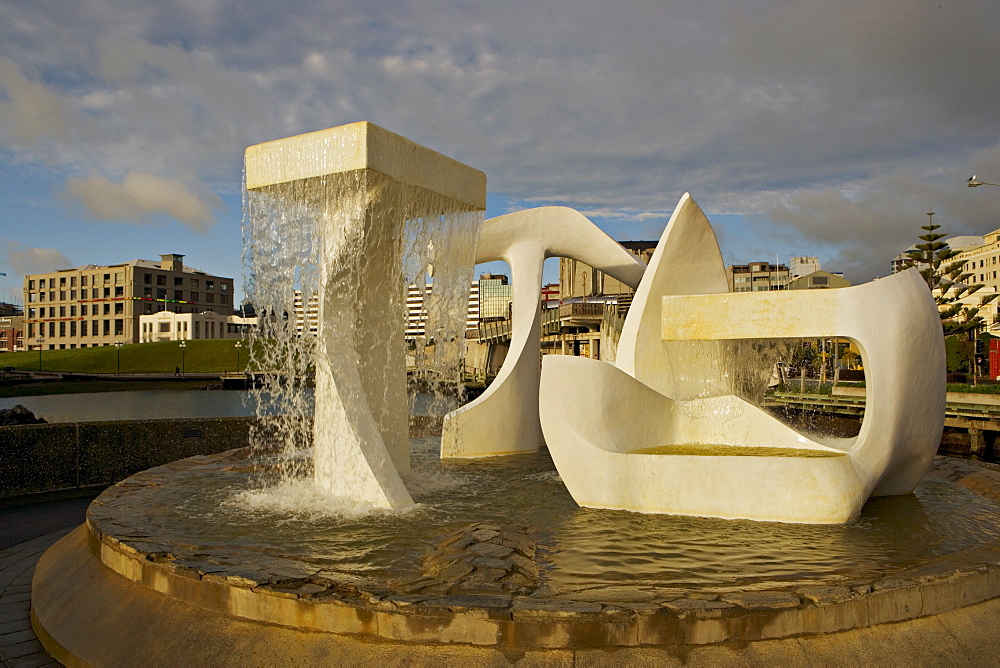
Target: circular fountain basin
[(496, 563)]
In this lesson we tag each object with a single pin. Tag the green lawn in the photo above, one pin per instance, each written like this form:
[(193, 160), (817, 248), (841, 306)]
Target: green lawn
[(203, 356)]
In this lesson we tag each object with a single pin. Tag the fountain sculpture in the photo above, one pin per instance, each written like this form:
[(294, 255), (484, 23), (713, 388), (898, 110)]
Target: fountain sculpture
[(492, 562)]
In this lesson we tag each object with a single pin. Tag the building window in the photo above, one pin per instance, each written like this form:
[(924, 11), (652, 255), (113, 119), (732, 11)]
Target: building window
[(95, 293), (119, 307), (147, 279), (224, 299), (62, 295), (72, 328), (107, 278), (178, 295), (83, 309), (52, 295), (119, 326), (161, 279), (31, 284), (72, 310), (72, 281), (107, 293), (224, 286), (210, 299), (107, 309), (164, 327), (83, 328), (194, 283), (119, 291), (62, 281), (194, 296), (62, 311), (178, 281), (31, 297), (209, 285), (107, 328), (31, 312), (72, 294), (83, 281), (161, 293), (52, 330)]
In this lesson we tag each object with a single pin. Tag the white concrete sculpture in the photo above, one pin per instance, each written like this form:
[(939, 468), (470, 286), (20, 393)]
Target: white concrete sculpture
[(362, 184), (632, 438), (504, 419)]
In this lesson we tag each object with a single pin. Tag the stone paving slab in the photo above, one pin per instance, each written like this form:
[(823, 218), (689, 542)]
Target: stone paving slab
[(19, 648)]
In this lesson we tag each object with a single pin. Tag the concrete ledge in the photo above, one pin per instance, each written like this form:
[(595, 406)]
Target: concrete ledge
[(364, 146), (85, 614), (398, 611)]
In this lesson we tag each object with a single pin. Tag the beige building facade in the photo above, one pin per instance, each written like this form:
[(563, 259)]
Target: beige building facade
[(170, 326), (757, 277), (818, 280), (101, 305)]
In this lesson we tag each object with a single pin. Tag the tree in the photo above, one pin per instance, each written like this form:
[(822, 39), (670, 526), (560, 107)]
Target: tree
[(948, 281)]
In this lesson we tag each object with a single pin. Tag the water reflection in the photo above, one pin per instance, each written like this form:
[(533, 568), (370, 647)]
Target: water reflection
[(580, 548)]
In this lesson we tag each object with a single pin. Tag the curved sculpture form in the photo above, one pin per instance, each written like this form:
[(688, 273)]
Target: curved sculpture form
[(504, 419), (620, 442)]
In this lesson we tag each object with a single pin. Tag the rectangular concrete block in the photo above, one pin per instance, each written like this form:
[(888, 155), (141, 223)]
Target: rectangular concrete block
[(364, 146)]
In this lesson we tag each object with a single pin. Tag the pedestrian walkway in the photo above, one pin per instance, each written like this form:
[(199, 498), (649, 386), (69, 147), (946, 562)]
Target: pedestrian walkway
[(19, 648)]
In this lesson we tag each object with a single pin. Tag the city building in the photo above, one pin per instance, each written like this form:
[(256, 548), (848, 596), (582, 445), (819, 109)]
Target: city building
[(11, 333), (818, 280), (578, 279), (802, 266), (496, 289), (757, 277), (170, 326), (99, 305)]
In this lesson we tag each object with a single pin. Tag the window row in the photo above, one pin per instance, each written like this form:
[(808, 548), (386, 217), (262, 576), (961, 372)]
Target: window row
[(75, 328)]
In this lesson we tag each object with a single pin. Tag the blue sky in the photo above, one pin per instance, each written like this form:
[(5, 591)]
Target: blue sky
[(819, 128)]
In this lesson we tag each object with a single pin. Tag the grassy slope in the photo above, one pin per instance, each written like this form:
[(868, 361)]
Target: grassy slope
[(203, 356)]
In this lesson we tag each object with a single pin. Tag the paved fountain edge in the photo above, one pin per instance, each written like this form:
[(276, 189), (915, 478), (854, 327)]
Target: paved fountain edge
[(510, 621)]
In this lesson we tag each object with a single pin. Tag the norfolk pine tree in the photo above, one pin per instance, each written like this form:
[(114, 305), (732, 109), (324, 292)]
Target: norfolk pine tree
[(948, 282)]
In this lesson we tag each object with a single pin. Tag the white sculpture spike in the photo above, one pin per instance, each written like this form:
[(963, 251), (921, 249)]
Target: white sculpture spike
[(504, 419)]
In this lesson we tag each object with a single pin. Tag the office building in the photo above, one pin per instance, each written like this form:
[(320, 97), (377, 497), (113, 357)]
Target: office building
[(99, 305)]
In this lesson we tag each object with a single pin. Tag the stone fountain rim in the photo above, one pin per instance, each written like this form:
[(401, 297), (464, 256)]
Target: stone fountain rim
[(373, 612)]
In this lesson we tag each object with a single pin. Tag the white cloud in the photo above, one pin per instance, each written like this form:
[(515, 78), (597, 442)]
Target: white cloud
[(800, 117), (32, 112), (139, 197), (26, 260)]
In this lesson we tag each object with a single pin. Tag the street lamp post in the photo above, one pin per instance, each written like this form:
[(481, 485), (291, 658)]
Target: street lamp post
[(183, 346), (974, 182), (239, 346), (39, 341), (118, 349)]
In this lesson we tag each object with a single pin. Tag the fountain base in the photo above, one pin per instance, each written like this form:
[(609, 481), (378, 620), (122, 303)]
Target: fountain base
[(106, 596)]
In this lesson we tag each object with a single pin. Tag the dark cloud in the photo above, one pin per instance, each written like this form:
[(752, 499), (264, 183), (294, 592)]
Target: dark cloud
[(833, 123)]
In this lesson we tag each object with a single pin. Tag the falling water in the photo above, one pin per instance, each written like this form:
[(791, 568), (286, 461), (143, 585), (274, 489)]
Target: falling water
[(343, 247)]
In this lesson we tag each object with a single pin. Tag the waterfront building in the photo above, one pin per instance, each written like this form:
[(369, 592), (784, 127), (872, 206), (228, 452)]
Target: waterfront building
[(170, 326), (11, 333), (819, 279), (99, 305), (757, 277)]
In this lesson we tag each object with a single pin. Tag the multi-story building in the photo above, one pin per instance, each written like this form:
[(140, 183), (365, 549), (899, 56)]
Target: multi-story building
[(97, 305), (578, 279), (757, 277), (802, 266), (11, 333), (416, 312)]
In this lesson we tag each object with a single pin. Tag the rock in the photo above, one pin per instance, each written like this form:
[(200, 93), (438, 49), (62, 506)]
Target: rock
[(18, 415)]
